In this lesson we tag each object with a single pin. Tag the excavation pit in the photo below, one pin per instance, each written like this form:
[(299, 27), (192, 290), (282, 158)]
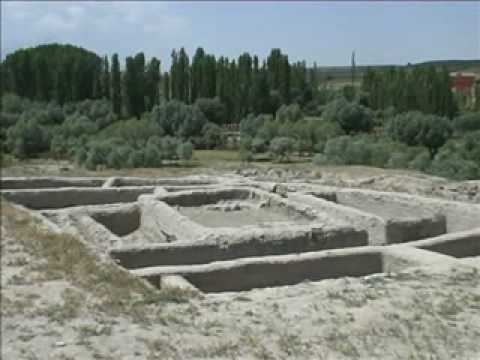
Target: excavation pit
[(121, 222), (236, 207), (68, 197)]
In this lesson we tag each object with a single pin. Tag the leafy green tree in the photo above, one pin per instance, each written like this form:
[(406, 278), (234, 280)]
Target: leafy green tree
[(27, 138), (415, 128), (351, 117), (213, 109)]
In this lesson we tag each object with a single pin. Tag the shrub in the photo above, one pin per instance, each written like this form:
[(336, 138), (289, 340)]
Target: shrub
[(118, 156), (351, 117), (281, 147), (245, 155), (12, 104), (152, 155), (416, 129), (97, 154), (168, 147), (420, 162), (451, 165), (213, 109), (27, 138), (135, 159), (467, 122), (212, 136), (288, 113), (179, 119), (251, 124), (398, 160), (320, 159), (185, 150), (335, 150), (133, 131), (80, 155), (258, 145)]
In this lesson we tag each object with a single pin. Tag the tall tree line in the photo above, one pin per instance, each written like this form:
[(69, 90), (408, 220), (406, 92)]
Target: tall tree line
[(53, 72), (246, 84), (422, 88)]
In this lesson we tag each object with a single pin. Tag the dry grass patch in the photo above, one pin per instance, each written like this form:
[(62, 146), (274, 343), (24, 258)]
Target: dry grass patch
[(62, 256)]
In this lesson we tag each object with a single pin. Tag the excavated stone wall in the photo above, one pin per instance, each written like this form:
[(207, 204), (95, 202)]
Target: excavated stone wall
[(295, 231)]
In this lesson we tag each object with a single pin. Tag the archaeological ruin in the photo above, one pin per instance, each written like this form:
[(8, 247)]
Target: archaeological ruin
[(233, 233)]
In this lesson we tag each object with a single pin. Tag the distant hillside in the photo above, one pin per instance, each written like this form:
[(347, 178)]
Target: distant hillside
[(455, 65), (342, 73)]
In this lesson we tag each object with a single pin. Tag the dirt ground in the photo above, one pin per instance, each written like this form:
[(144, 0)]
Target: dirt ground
[(60, 302)]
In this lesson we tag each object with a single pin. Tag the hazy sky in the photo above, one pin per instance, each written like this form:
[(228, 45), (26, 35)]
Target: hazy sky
[(325, 32)]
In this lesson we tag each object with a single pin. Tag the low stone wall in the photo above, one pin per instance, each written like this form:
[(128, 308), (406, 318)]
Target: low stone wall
[(16, 183), (385, 205), (405, 230), (255, 242), (137, 181), (258, 272), (459, 216), (374, 225), (205, 197), (459, 245), (388, 218), (65, 197)]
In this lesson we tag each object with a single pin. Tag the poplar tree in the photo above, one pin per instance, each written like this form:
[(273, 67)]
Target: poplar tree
[(116, 86), (106, 78)]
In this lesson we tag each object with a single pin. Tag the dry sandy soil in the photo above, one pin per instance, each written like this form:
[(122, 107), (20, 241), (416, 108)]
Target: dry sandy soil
[(60, 302)]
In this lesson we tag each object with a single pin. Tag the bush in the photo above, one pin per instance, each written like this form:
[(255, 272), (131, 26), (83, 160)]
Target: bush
[(467, 122), (27, 138), (451, 165), (12, 104), (178, 119), (118, 156), (185, 151), (351, 117), (335, 150), (97, 154), (135, 159), (416, 129), (152, 155), (250, 125), (259, 145), (420, 162), (288, 113), (212, 136), (320, 159), (133, 131), (245, 155), (213, 109), (168, 148), (398, 160), (281, 148)]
